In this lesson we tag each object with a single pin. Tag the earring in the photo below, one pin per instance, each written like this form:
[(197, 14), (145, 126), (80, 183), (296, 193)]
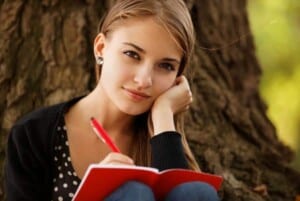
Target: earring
[(99, 60)]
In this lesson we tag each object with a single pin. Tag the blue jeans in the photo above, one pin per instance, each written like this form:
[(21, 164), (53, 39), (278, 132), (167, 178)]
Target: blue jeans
[(191, 191)]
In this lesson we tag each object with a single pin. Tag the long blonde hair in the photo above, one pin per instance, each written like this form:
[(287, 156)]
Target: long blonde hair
[(174, 16)]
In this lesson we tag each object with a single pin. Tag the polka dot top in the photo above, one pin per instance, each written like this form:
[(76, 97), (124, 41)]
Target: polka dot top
[(65, 180)]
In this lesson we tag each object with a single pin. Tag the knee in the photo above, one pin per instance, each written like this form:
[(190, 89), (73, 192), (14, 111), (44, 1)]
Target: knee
[(136, 186), (194, 191), (138, 190), (206, 191)]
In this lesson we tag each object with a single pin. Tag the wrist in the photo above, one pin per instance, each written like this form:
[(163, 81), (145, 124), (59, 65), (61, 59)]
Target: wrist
[(163, 120)]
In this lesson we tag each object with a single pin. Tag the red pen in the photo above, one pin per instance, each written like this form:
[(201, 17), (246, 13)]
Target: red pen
[(101, 133)]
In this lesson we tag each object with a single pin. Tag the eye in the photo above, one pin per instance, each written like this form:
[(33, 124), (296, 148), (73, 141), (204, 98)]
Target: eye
[(167, 66), (132, 54)]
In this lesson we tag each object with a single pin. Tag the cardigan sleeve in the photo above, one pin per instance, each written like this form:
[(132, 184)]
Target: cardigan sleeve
[(28, 169), (24, 172), (167, 151)]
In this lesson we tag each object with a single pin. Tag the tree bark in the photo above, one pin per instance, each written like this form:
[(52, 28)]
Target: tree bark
[(46, 56)]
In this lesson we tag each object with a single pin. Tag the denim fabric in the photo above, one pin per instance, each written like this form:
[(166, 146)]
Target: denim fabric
[(132, 191), (190, 191), (193, 191)]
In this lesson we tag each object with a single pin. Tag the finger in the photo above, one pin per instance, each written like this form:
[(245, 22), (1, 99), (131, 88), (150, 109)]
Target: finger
[(122, 161), (188, 97), (184, 109), (117, 157), (121, 157), (185, 84), (179, 79), (116, 163)]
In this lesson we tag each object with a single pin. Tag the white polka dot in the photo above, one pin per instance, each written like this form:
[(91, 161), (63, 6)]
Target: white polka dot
[(65, 185), (59, 147), (61, 175), (71, 195), (54, 180), (66, 164), (67, 143), (69, 173), (75, 183), (55, 188), (55, 148), (69, 159), (55, 158), (58, 128), (65, 128), (64, 155), (60, 198), (59, 167), (74, 173)]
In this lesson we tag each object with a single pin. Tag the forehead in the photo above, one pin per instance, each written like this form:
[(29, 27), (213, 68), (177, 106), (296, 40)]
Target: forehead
[(147, 33)]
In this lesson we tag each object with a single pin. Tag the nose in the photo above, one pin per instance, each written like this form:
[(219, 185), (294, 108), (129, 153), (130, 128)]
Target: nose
[(143, 77)]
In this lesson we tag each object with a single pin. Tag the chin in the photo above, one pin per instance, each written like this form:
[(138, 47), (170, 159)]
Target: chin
[(134, 111)]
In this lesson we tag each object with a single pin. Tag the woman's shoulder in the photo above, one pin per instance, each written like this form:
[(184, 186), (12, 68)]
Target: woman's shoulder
[(41, 122), (38, 126), (46, 114), (40, 115)]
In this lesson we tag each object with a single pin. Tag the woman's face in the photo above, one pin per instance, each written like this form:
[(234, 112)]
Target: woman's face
[(141, 61)]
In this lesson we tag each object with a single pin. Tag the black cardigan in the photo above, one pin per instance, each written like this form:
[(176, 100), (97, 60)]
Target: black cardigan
[(29, 158)]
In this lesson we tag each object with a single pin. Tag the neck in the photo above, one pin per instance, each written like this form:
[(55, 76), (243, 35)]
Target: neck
[(99, 106)]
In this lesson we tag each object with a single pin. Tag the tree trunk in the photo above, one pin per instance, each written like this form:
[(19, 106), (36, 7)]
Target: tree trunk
[(46, 56)]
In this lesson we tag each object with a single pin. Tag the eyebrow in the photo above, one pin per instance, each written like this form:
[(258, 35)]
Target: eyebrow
[(171, 60), (135, 46), (143, 51)]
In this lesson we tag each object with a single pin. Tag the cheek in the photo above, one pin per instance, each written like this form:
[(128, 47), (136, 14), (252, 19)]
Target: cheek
[(115, 72)]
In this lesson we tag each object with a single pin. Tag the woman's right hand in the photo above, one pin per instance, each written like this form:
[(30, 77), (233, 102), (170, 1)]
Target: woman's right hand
[(114, 158)]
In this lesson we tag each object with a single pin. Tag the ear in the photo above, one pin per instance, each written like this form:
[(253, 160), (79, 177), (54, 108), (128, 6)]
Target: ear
[(99, 44)]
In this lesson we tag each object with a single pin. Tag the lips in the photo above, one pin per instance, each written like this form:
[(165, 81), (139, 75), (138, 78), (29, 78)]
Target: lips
[(136, 95)]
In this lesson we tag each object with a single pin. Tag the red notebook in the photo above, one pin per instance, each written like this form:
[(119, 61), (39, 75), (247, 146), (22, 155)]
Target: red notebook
[(100, 181)]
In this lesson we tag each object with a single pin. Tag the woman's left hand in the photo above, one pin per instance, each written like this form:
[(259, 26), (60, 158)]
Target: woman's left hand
[(176, 99)]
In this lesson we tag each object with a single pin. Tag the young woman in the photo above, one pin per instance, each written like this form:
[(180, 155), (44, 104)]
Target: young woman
[(141, 51)]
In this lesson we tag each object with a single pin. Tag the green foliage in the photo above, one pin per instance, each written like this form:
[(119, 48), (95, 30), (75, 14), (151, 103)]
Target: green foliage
[(276, 29)]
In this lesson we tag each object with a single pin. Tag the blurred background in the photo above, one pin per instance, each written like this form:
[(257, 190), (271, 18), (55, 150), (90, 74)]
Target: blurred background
[(276, 29)]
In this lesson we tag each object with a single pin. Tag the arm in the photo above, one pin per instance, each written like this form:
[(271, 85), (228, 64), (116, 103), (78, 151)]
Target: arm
[(166, 144), (167, 151), (173, 101), (23, 172)]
